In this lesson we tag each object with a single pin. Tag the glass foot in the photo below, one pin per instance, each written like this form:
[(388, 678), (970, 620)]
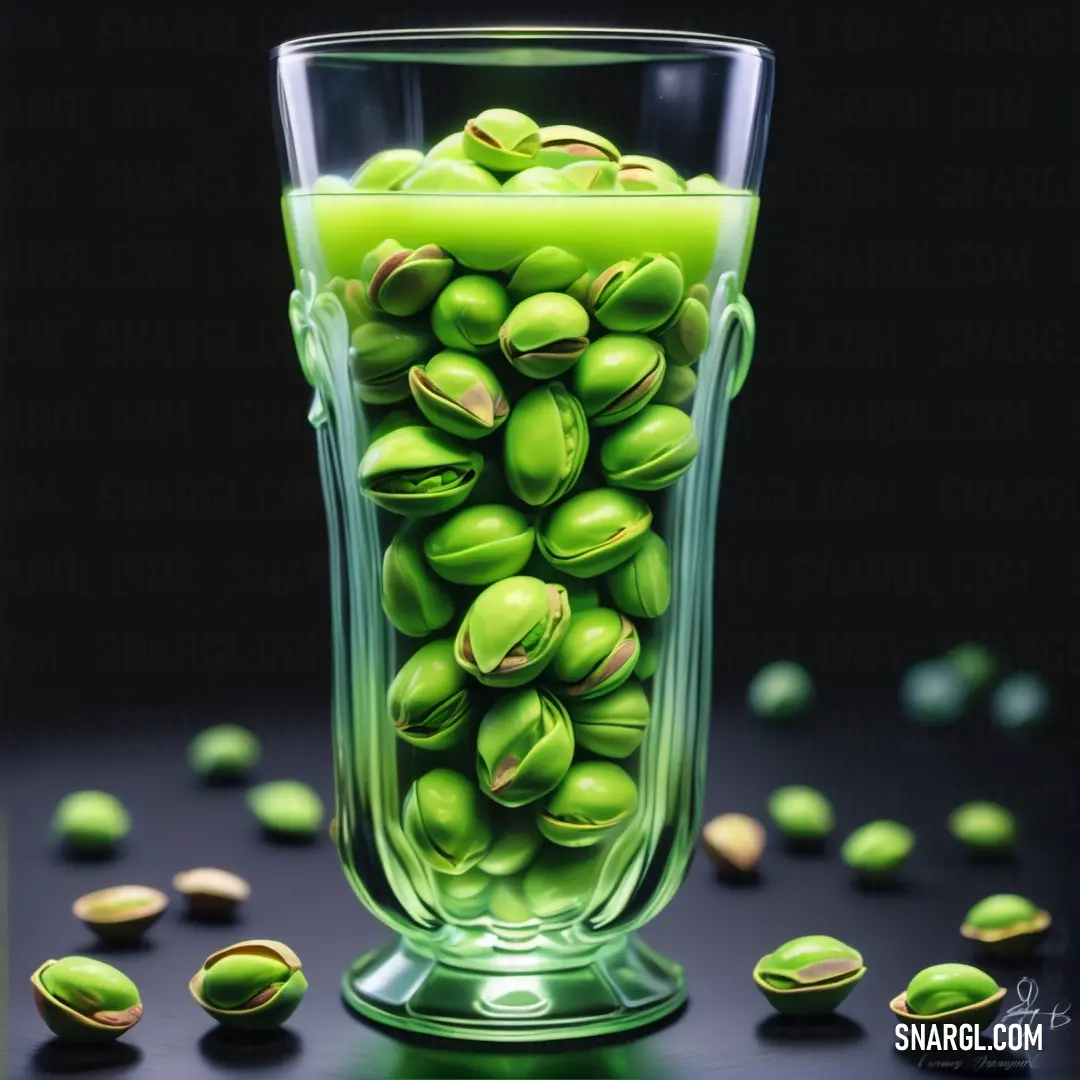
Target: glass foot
[(624, 985)]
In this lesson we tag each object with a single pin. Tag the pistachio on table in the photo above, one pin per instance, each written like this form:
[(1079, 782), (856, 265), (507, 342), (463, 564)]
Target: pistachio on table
[(211, 893), (512, 630), (931, 692), (876, 850), (121, 914), (413, 599), (976, 665), (616, 376), (1006, 925), (524, 746), (612, 725), (479, 545), (1020, 701), (734, 842), (950, 993), (641, 586), (224, 752), (447, 821), (803, 815), (90, 822), (253, 985), (469, 312), (597, 654), (781, 690), (593, 802), (651, 450), (459, 394), (286, 808), (809, 976), (983, 826), (429, 700), (545, 334), (85, 1000)]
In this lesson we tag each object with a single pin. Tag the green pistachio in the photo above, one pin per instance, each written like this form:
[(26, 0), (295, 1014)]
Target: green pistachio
[(617, 375), (1020, 701), (223, 752), (700, 292), (678, 386), (931, 692), (579, 289), (90, 821), (451, 148), (429, 700), (419, 471), (480, 545), (612, 725), (539, 180), (517, 842), (447, 821), (547, 440), (380, 356), (406, 281), (354, 299), (502, 139), (593, 532), (524, 747), (507, 905), (801, 813), (593, 802), (512, 631), (878, 848), (459, 394), (464, 896), (597, 176), (414, 601), (561, 881), (447, 175), (394, 419), (781, 690), (809, 976), (704, 184), (387, 170), (644, 181), (547, 269), (564, 144), (597, 655), (651, 450), (374, 259), (545, 334), (468, 313), (659, 169), (636, 297), (949, 988), (252, 985), (85, 1000), (685, 335), (983, 826), (287, 808), (641, 586), (1006, 924), (649, 658)]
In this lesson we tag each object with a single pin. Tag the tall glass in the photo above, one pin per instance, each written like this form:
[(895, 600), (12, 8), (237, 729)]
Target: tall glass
[(519, 257)]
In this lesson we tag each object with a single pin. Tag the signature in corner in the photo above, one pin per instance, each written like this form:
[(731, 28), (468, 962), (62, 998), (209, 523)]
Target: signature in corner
[(1027, 990)]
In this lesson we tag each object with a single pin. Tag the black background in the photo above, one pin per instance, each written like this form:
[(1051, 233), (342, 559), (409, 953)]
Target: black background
[(899, 466), (899, 477)]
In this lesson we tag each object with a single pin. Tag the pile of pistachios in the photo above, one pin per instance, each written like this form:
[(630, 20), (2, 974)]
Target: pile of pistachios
[(523, 428)]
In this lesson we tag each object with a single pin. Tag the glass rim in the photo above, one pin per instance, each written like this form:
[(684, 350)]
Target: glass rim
[(714, 44)]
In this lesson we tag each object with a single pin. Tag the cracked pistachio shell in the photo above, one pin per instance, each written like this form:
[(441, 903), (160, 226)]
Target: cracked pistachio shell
[(704, 184), (480, 545), (464, 896), (85, 1000), (288, 807), (211, 893), (801, 813), (121, 914), (419, 471), (594, 176), (450, 175), (678, 386), (945, 988), (253, 985), (612, 725), (597, 654), (503, 140), (516, 844), (544, 335), (877, 848), (512, 631), (539, 180), (386, 170), (380, 356), (90, 821), (353, 296), (636, 297), (564, 144), (429, 701), (405, 282), (686, 334), (450, 148), (447, 821), (562, 881), (641, 586), (809, 961), (983, 825), (593, 532), (412, 598), (459, 394), (468, 313), (524, 746), (617, 375), (659, 169), (547, 440), (374, 259), (734, 842), (592, 803), (547, 269), (651, 450)]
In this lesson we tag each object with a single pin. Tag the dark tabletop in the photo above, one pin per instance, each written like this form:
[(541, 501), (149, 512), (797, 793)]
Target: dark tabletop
[(864, 756)]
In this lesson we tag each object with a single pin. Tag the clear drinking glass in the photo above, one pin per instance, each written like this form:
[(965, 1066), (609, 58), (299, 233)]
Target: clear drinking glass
[(522, 340)]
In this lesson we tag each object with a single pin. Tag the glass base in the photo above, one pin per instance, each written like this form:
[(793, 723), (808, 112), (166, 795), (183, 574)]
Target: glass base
[(625, 985)]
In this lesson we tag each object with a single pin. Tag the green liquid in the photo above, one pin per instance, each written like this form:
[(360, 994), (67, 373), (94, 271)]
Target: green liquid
[(330, 233)]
